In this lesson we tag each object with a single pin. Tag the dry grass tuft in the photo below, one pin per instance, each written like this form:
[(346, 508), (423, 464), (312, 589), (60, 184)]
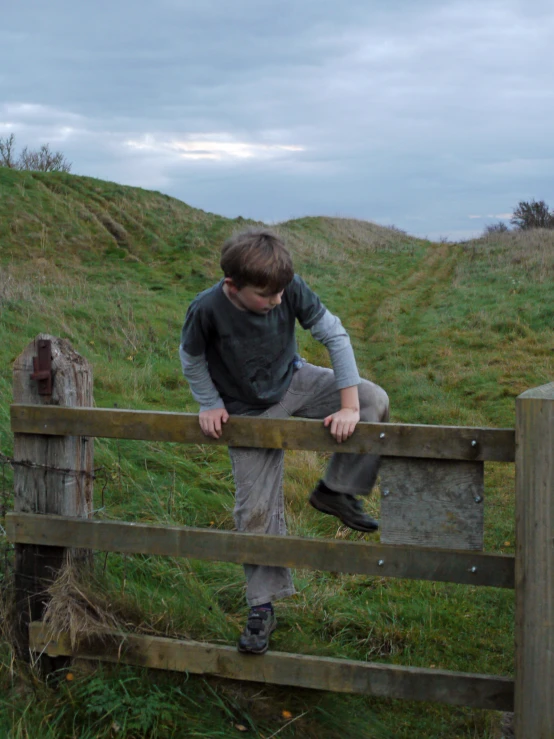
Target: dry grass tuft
[(7, 626), (32, 282), (74, 611), (13, 288), (338, 240), (530, 253), (508, 726), (114, 228)]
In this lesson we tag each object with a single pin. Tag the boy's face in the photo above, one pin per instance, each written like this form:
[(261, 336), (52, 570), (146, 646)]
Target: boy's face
[(256, 299)]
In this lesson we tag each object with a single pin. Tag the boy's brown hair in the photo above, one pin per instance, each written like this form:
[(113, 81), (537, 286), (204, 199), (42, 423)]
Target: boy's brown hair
[(257, 257)]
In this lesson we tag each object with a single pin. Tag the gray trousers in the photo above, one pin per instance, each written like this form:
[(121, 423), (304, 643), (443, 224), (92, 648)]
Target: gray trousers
[(258, 473)]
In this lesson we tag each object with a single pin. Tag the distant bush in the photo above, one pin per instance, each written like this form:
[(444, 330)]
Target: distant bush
[(397, 230), (532, 214), (39, 160), (495, 228)]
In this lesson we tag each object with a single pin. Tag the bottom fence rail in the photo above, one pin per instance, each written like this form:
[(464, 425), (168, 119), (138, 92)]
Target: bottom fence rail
[(281, 668)]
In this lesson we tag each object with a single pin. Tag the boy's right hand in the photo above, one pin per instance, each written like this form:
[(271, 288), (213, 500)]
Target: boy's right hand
[(211, 422)]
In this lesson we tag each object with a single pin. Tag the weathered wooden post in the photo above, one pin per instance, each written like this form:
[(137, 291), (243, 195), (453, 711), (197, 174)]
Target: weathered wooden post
[(52, 474), (534, 671)]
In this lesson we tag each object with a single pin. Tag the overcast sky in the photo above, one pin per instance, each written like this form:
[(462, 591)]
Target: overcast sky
[(436, 117)]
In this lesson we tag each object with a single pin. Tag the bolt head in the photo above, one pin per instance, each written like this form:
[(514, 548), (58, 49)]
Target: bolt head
[(382, 435), (386, 492), (381, 562), (473, 443), (473, 570)]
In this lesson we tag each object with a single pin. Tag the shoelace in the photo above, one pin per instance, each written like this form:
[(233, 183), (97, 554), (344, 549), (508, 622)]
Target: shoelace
[(256, 621)]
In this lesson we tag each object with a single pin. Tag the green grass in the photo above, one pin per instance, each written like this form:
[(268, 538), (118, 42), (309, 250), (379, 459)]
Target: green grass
[(453, 333)]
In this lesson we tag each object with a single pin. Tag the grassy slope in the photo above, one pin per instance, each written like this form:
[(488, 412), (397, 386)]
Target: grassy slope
[(453, 332)]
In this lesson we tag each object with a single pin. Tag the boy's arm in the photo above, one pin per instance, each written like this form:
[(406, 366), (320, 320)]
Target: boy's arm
[(330, 332), (212, 409)]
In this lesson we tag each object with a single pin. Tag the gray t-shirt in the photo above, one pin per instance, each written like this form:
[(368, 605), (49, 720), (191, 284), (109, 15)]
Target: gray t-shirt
[(250, 356)]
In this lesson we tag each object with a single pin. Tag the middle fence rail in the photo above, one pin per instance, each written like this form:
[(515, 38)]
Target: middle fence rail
[(354, 558)]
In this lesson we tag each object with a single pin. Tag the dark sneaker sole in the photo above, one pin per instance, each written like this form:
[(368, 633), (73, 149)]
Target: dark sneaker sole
[(319, 506), (263, 650)]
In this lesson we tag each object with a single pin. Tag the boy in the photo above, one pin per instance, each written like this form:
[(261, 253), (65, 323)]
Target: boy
[(238, 352)]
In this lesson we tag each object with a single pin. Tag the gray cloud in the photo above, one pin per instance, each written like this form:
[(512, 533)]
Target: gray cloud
[(417, 114)]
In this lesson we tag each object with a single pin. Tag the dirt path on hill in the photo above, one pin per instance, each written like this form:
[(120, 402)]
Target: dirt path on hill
[(399, 311)]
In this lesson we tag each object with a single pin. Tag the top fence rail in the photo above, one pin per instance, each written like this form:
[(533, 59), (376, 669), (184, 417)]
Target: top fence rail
[(385, 439)]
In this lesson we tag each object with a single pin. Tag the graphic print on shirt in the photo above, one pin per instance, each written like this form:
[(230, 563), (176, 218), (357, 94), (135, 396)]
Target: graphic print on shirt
[(262, 363)]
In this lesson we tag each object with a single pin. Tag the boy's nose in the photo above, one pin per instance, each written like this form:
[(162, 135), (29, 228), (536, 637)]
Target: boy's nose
[(276, 299)]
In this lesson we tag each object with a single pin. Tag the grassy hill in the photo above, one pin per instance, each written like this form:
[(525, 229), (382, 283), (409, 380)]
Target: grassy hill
[(453, 332)]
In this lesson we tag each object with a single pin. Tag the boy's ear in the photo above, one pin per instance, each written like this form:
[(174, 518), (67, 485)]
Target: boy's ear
[(230, 285)]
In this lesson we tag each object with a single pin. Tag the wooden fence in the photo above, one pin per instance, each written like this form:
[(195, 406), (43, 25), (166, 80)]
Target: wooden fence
[(432, 498)]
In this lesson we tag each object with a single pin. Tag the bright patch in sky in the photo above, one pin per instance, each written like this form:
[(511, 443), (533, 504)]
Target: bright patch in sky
[(219, 146), (493, 215)]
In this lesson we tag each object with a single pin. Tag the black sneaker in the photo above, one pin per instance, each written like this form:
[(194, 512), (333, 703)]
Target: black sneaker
[(259, 627), (344, 506)]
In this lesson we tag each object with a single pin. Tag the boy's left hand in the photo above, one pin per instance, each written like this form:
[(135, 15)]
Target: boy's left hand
[(342, 423)]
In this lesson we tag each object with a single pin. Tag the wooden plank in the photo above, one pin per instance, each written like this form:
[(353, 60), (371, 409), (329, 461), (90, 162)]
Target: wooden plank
[(52, 474), (281, 668), (436, 503), (470, 568), (534, 635), (434, 442)]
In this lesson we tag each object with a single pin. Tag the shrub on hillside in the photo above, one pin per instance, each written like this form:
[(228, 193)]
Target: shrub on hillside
[(495, 228), (39, 160), (532, 214)]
